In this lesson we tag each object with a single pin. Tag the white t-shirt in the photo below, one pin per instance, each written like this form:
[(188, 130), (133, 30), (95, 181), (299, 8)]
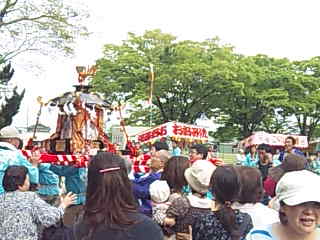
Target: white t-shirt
[(262, 233), (260, 214)]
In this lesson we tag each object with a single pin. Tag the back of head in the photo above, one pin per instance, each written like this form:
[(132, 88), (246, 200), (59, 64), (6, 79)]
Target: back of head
[(264, 147), (14, 177), (202, 149), (173, 172), (109, 194), (251, 185), (159, 191), (161, 146), (293, 162), (225, 186)]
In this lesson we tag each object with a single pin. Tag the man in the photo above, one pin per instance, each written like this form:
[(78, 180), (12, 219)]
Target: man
[(289, 148), (141, 184), (10, 155), (198, 152)]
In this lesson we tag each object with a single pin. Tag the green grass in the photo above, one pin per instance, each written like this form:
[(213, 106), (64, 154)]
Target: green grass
[(229, 158)]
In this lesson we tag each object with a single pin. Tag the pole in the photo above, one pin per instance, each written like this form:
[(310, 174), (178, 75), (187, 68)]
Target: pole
[(151, 91)]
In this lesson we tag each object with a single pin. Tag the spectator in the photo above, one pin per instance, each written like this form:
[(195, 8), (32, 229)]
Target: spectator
[(251, 194), (110, 211), (265, 160), (292, 162), (314, 163), (176, 150), (184, 210), (289, 144), (223, 222), (23, 213), (198, 152), (10, 155), (141, 184), (299, 212), (251, 157)]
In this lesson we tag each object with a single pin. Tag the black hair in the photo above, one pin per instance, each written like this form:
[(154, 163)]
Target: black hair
[(161, 146), (293, 140), (14, 177), (225, 185), (265, 147), (201, 149)]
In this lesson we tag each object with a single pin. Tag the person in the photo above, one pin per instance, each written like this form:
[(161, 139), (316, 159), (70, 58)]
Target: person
[(314, 163), (198, 152), (251, 194), (10, 155), (251, 157), (142, 183), (289, 144), (292, 162), (110, 210), (240, 157), (223, 222), (299, 209), (23, 213), (264, 160), (184, 210), (176, 150), (75, 182)]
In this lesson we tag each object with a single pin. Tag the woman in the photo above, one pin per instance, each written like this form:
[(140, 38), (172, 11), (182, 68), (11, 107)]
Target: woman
[(110, 211), (23, 213), (250, 196), (223, 222), (299, 209)]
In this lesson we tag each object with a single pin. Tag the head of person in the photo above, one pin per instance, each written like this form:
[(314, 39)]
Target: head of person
[(158, 160), (263, 149), (173, 172), (10, 135), (289, 143), (174, 144), (159, 191), (157, 146), (299, 202), (198, 176), (109, 195), (253, 149), (251, 185), (16, 178), (198, 152), (225, 186)]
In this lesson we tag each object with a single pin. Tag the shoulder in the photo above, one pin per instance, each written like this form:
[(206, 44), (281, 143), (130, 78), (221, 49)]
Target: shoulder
[(261, 233)]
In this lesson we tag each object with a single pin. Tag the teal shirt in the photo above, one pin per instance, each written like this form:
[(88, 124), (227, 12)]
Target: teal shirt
[(48, 180), (315, 166), (75, 180), (9, 156), (249, 161)]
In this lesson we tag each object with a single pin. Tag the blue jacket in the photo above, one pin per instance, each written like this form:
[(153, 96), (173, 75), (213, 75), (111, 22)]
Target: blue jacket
[(75, 180), (48, 180), (9, 156), (295, 151), (141, 191)]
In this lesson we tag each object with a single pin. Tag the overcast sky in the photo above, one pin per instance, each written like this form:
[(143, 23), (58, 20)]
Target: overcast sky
[(278, 28)]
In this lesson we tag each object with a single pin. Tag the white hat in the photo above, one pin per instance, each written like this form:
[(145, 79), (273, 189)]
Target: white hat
[(298, 187), (9, 132), (159, 191), (199, 174)]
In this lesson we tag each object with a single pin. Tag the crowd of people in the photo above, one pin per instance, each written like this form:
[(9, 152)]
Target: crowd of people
[(181, 197)]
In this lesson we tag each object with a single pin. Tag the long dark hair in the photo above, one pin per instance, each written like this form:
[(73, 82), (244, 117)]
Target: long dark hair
[(14, 176), (109, 196), (225, 185), (173, 172)]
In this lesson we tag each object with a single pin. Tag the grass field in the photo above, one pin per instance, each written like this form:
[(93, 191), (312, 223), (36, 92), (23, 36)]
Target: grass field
[(229, 158)]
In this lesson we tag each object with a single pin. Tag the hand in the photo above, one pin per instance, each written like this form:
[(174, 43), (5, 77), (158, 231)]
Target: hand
[(183, 236), (67, 200), (169, 222)]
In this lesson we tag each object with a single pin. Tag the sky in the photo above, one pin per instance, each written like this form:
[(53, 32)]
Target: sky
[(278, 28)]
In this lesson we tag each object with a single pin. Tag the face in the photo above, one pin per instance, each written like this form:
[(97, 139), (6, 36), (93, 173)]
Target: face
[(26, 185), (262, 153), (253, 149), (194, 155), (155, 163), (303, 218), (288, 144)]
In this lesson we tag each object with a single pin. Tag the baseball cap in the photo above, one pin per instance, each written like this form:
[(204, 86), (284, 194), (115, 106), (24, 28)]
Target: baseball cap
[(159, 191), (297, 187), (9, 132)]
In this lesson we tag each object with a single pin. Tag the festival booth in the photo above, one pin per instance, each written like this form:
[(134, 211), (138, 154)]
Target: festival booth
[(275, 140), (175, 131)]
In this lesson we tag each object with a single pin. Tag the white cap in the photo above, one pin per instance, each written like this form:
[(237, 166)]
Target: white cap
[(298, 187), (159, 191), (9, 132)]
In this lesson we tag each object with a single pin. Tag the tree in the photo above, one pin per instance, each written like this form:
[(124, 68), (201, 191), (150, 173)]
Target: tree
[(39, 26), (10, 104), (187, 75), (253, 93)]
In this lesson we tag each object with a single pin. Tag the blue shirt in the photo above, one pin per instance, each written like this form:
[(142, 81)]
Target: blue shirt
[(176, 151), (75, 180), (9, 156), (249, 161), (48, 180)]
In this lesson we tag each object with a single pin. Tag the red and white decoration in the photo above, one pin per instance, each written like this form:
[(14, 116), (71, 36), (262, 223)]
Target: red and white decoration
[(273, 140), (176, 131)]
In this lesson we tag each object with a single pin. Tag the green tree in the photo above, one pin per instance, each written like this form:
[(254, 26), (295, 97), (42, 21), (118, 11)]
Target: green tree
[(10, 104), (187, 75), (40, 26), (253, 93)]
